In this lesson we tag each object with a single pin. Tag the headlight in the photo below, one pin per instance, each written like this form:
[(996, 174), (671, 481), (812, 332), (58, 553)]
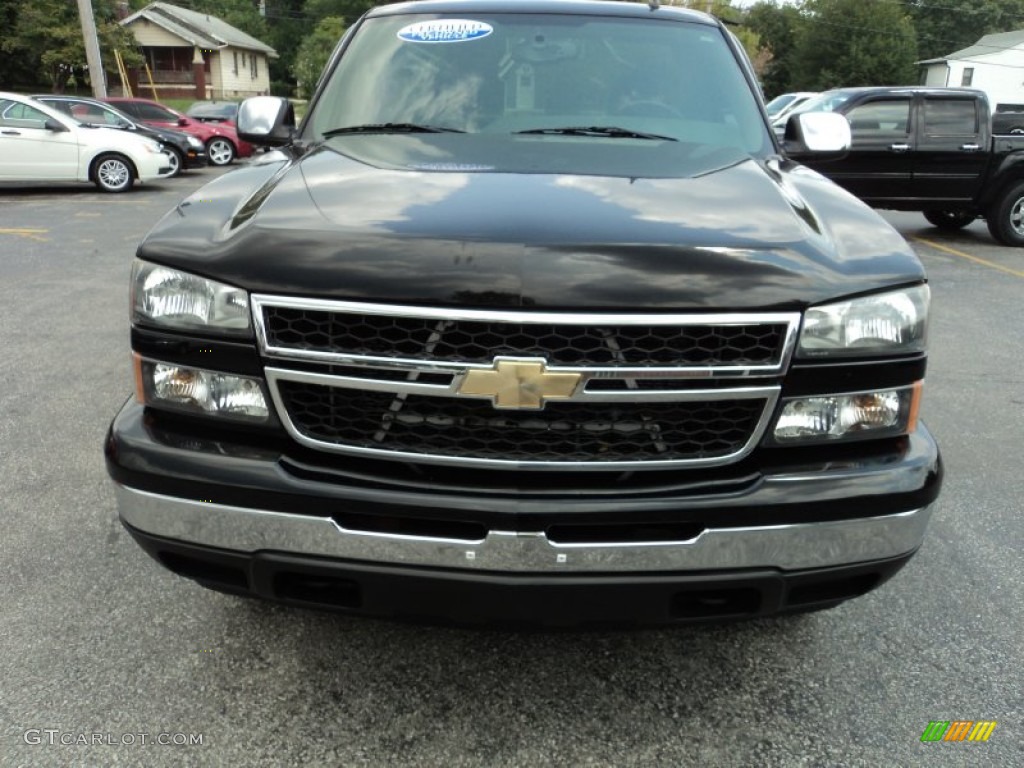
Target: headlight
[(199, 391), (194, 142), (893, 323), (181, 301), (848, 417)]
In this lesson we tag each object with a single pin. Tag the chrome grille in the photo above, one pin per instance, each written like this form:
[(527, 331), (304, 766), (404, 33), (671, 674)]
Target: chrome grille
[(654, 390), (473, 429), (476, 341)]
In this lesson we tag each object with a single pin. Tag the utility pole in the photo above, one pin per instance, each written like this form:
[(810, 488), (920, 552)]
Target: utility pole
[(92, 49)]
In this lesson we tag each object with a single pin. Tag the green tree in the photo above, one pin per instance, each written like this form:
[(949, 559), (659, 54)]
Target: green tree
[(46, 40), (18, 70), (776, 27), (854, 42), (945, 26), (349, 10), (287, 27), (315, 50)]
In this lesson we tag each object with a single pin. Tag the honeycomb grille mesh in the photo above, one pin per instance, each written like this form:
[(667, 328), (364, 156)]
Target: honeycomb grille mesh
[(466, 341), (562, 432)]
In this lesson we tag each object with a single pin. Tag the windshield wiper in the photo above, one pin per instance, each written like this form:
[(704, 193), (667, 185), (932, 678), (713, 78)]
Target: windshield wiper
[(390, 128), (605, 131)]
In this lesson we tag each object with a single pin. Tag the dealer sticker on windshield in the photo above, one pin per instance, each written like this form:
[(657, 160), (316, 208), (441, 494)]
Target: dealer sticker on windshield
[(445, 31)]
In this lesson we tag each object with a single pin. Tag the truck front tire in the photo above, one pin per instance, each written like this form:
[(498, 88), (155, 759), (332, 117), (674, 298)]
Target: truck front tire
[(1006, 216), (949, 219)]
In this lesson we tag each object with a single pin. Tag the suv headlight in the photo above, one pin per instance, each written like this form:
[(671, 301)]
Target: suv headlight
[(181, 301), (893, 323)]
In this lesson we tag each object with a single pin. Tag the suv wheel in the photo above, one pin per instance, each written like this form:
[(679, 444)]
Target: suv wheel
[(1006, 216), (950, 219), (113, 173), (220, 151)]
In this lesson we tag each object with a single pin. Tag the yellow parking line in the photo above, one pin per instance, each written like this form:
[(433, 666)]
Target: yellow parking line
[(962, 255), (31, 234)]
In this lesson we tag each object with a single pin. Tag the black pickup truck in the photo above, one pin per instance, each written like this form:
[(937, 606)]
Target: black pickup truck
[(931, 150), (516, 327)]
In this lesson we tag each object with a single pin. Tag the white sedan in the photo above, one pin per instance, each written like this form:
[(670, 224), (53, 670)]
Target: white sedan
[(38, 143)]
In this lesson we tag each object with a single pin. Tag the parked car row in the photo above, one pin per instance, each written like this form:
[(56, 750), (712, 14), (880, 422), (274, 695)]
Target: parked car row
[(784, 104), (39, 142), (185, 151), (113, 143), (214, 111), (220, 139)]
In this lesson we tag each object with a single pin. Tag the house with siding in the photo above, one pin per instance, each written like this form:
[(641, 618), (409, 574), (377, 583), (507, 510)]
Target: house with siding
[(994, 64), (196, 55)]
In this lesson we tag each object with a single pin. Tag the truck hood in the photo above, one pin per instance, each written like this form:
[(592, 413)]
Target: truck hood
[(412, 219)]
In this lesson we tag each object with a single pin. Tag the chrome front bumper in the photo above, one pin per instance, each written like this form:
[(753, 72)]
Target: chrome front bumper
[(785, 547)]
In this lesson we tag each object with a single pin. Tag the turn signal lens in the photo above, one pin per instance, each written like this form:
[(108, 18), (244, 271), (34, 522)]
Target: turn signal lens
[(202, 392), (848, 417)]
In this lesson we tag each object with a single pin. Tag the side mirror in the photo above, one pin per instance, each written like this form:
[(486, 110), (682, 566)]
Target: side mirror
[(267, 121), (182, 122), (55, 125), (817, 136)]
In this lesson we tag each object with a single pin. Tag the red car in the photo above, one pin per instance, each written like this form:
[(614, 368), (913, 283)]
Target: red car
[(221, 140)]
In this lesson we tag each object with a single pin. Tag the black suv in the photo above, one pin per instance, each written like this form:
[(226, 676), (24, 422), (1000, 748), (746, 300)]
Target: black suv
[(517, 327)]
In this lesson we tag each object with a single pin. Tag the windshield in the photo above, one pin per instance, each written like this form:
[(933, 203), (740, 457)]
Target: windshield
[(829, 101), (777, 104), (503, 74)]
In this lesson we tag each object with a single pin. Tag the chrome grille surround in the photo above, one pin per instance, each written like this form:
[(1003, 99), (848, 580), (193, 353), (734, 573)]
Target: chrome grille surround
[(443, 378)]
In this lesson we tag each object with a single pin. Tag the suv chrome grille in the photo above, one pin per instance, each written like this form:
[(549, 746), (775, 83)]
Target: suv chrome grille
[(473, 429), (468, 341), (653, 390)]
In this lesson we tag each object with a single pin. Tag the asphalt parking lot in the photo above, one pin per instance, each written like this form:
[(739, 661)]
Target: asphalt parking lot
[(101, 645)]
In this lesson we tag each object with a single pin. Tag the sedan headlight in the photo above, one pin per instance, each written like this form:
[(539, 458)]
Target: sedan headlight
[(182, 301), (194, 142), (893, 323)]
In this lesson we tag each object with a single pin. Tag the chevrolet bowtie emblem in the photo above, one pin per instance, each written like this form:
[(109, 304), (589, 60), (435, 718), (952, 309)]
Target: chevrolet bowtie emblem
[(519, 384)]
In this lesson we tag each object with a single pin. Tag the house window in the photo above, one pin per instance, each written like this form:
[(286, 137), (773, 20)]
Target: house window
[(968, 76), (234, 69), (255, 68)]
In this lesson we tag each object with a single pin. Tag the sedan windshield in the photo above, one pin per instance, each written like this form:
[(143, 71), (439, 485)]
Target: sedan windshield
[(556, 78), (829, 101)]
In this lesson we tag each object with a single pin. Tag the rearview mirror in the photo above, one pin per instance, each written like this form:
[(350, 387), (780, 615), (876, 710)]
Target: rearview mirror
[(267, 121), (817, 136)]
